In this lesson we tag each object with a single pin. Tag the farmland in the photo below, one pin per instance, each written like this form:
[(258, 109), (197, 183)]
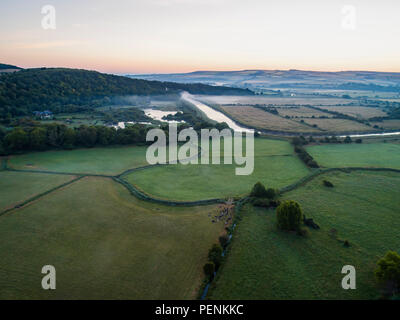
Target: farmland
[(105, 244), (357, 111), (93, 161), (274, 164), (260, 119), (338, 125), (264, 263), (377, 155)]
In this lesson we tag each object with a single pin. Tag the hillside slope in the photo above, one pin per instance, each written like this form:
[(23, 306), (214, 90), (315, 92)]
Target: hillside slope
[(69, 90)]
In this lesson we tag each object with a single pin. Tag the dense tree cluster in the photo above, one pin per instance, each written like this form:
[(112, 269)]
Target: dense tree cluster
[(72, 90), (56, 136)]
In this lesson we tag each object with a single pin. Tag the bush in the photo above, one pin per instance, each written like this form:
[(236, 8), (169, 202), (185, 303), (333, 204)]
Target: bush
[(258, 191), (346, 243), (359, 141), (271, 193), (215, 255), (347, 140), (289, 216), (265, 203), (388, 272), (274, 203), (209, 269), (223, 240), (328, 184)]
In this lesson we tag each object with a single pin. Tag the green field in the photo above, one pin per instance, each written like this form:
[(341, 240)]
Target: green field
[(274, 164), (264, 263), (17, 187), (383, 155), (104, 244), (109, 161)]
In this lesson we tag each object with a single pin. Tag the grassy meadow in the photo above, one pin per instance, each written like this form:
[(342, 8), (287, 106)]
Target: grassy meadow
[(265, 263), (108, 161), (274, 164), (104, 244), (378, 155), (17, 187)]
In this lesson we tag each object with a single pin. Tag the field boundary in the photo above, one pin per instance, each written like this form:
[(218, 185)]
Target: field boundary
[(40, 195)]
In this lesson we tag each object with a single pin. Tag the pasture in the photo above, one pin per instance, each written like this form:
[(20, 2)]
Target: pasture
[(16, 187), (274, 164), (375, 155), (104, 244), (107, 161), (265, 263)]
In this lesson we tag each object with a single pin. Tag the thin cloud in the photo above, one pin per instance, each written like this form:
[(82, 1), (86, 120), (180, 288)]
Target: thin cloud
[(47, 45)]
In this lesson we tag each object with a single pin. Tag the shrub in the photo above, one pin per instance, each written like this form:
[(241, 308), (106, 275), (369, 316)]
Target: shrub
[(274, 203), (223, 240), (388, 272), (359, 141), (289, 216), (346, 243), (347, 140), (209, 269), (258, 191), (215, 255), (265, 203), (271, 193), (328, 184)]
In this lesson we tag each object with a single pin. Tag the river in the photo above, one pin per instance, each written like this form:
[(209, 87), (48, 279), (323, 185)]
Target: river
[(214, 114)]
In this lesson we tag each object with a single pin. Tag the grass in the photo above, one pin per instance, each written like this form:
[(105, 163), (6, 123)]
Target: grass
[(386, 155), (274, 164), (264, 263), (104, 244), (17, 187), (108, 161)]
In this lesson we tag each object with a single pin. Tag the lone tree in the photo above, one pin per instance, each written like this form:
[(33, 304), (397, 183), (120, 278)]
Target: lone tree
[(259, 191), (388, 272), (289, 216)]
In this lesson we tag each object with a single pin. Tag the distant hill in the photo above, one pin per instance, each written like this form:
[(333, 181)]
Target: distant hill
[(72, 90), (343, 80), (8, 68)]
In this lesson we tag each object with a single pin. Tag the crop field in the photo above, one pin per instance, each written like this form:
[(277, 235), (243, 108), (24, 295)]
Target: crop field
[(357, 111), (274, 100), (260, 119), (16, 187), (388, 124), (265, 263), (378, 155), (275, 165), (338, 125), (105, 244), (302, 112), (109, 161)]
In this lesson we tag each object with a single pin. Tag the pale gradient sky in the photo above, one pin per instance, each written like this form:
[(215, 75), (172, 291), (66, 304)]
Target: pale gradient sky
[(162, 36)]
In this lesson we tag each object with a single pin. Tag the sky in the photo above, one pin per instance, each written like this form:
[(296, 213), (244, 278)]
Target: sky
[(171, 36)]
